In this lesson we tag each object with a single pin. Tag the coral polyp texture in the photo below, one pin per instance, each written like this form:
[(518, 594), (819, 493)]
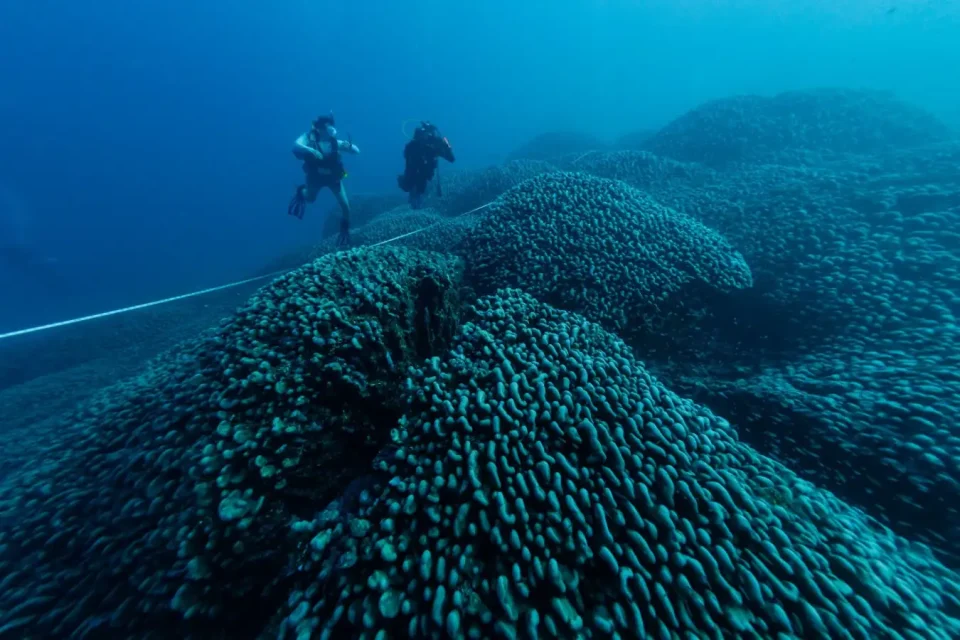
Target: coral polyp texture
[(843, 358), (545, 485), (165, 507), (599, 247), (701, 384)]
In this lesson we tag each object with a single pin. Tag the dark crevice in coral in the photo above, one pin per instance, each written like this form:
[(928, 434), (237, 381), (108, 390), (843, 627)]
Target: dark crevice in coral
[(435, 322), (733, 327), (919, 203), (423, 318), (361, 422), (343, 461)]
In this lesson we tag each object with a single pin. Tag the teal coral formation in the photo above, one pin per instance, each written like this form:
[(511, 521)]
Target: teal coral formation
[(545, 485), (639, 169), (463, 191), (669, 182), (360, 453), (840, 360), (783, 128), (598, 247), (170, 499), (843, 359)]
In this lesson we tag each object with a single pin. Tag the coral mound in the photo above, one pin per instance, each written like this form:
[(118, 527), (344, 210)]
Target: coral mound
[(545, 485), (164, 509), (598, 247), (754, 128), (842, 360), (360, 453), (667, 181)]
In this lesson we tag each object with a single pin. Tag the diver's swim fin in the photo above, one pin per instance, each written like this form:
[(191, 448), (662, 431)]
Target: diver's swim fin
[(298, 204)]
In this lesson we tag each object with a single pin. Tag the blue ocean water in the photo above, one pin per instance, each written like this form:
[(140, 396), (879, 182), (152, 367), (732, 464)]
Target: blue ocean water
[(668, 351), (149, 143)]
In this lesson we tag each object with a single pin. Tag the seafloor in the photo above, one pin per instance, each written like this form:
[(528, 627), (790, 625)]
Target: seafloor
[(703, 382)]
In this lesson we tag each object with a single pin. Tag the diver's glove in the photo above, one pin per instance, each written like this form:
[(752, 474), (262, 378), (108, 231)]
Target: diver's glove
[(298, 203), (343, 240)]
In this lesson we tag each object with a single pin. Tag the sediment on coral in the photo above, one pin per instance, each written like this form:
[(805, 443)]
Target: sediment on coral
[(545, 485), (164, 508)]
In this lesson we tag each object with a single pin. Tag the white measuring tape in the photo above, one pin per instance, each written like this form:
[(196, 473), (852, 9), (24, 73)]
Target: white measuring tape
[(137, 307), (429, 226), (582, 156)]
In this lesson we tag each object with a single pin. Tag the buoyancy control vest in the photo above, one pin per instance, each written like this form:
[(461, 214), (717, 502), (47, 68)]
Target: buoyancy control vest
[(331, 163)]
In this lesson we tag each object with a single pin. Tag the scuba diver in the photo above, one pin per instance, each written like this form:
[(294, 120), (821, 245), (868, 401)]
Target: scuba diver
[(320, 151), (421, 155)]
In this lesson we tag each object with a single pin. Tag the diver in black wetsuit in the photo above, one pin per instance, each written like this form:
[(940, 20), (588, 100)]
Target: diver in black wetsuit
[(421, 155), (320, 151)]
